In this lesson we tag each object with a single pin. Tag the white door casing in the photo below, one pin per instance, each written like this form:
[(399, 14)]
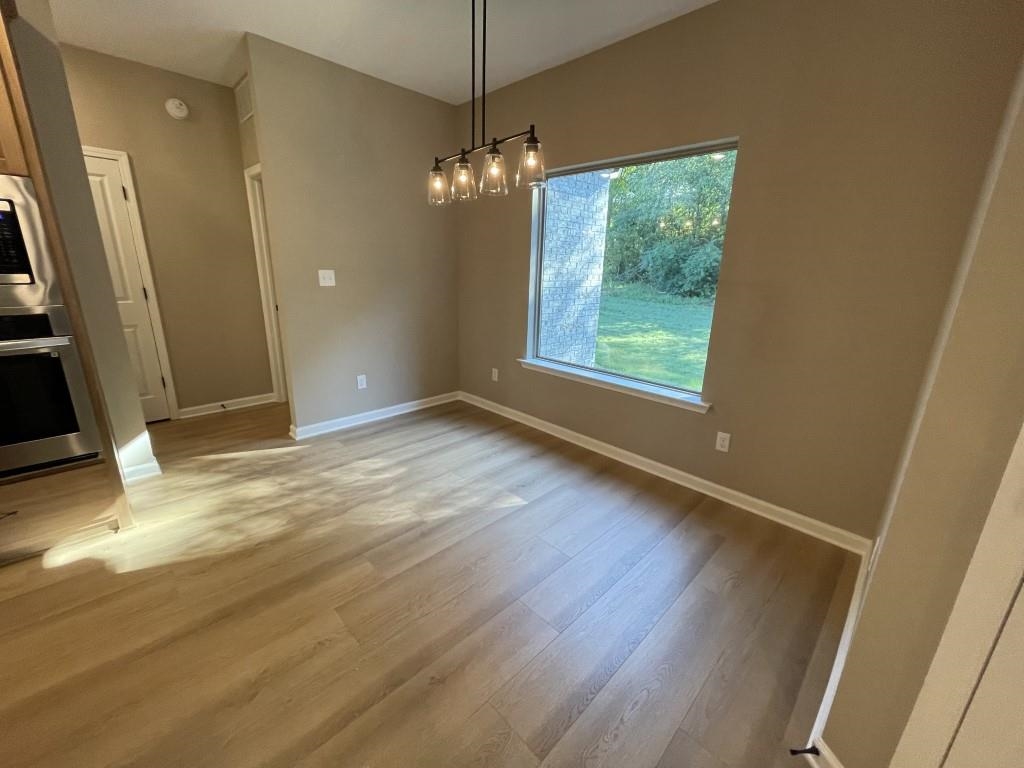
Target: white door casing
[(120, 227), (265, 271)]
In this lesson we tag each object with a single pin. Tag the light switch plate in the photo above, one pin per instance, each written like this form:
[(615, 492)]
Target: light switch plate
[(361, 381), (494, 374), (722, 442), (326, 277)]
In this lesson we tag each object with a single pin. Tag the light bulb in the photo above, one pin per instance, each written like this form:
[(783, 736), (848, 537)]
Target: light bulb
[(492, 181), (437, 190), (531, 163), (463, 183)]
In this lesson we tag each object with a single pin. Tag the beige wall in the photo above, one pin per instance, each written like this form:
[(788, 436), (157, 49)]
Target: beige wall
[(345, 158), (864, 131), (972, 418), (188, 177), (39, 16)]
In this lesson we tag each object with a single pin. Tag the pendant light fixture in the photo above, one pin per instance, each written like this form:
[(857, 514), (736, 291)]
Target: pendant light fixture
[(437, 188), (463, 183), (493, 181), (531, 163)]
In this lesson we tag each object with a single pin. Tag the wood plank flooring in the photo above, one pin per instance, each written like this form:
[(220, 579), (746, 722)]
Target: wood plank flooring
[(447, 588)]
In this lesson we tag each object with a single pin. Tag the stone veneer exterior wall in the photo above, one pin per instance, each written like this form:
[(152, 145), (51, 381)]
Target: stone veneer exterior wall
[(576, 215)]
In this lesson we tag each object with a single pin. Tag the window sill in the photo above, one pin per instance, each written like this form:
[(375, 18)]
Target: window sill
[(664, 395)]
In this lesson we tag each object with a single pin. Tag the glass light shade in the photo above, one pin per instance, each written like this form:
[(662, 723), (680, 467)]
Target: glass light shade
[(492, 179), (438, 192), (463, 181), (531, 164)]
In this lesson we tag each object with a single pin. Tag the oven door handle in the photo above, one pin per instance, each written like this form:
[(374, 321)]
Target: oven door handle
[(20, 345)]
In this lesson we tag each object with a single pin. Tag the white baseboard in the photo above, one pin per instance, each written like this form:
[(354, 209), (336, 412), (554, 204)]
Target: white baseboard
[(827, 758), (227, 405), (845, 640), (824, 531), (358, 419), (141, 471)]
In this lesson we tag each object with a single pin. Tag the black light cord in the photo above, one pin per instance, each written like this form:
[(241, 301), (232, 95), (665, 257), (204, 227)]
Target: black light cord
[(483, 83), (484, 143), (472, 77)]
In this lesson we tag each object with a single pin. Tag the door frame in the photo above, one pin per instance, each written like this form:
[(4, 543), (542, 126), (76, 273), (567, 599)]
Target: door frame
[(265, 272), (142, 254)]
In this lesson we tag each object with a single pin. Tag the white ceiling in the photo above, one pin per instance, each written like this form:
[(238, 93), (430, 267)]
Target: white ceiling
[(419, 44)]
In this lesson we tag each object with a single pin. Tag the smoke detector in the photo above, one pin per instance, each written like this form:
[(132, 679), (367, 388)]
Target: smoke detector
[(176, 108)]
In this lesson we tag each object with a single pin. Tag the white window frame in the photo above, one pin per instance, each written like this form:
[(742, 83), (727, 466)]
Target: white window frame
[(661, 393)]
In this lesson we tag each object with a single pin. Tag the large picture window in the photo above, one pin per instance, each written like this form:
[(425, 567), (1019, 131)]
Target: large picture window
[(628, 266)]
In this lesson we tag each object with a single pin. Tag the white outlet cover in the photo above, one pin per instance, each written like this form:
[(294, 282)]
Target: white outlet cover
[(722, 442), (494, 374), (361, 381), (326, 278)]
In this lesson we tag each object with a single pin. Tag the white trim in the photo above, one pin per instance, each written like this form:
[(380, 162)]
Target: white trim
[(243, 99), (827, 758), (265, 273), (227, 405), (141, 471), (843, 650), (358, 419), (664, 395), (728, 144), (819, 530), (142, 252)]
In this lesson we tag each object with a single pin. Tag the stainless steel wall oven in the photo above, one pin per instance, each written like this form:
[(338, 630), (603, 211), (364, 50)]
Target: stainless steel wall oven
[(46, 417)]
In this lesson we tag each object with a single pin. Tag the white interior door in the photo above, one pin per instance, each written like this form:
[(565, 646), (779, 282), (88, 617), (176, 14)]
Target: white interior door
[(109, 194)]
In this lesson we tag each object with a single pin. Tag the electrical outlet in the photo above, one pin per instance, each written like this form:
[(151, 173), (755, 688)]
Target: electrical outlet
[(722, 442), (361, 381), (494, 374), (326, 278)]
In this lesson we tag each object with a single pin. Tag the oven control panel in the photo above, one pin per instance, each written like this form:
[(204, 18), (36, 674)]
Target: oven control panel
[(15, 267)]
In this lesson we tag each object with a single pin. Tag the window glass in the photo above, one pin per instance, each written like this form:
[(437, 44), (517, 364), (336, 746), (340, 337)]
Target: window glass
[(629, 266)]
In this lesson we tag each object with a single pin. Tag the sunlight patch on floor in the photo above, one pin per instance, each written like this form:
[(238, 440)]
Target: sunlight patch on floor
[(256, 454)]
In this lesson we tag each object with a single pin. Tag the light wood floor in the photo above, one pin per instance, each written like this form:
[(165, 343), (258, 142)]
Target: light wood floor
[(447, 588)]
